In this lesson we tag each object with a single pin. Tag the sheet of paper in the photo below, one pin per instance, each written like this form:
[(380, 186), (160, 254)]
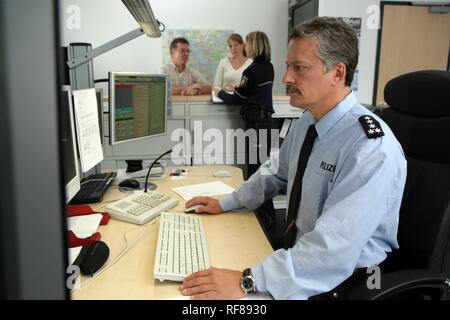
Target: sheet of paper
[(84, 226), (216, 99), (210, 189), (73, 254), (88, 131)]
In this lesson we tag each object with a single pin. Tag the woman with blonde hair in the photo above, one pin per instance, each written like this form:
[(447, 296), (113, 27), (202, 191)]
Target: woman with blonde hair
[(254, 94), (229, 71)]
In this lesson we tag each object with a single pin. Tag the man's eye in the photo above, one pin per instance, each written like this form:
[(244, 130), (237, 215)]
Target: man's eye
[(299, 68)]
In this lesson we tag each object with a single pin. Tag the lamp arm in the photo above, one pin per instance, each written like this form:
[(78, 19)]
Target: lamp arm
[(105, 48)]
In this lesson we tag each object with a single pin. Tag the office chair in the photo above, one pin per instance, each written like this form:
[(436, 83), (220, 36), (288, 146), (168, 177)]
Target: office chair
[(419, 116)]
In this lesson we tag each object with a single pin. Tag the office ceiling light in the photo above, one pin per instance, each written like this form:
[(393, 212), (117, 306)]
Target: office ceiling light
[(143, 14)]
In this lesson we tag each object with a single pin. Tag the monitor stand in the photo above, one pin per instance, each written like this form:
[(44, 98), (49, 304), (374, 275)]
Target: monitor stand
[(150, 186), (134, 165)]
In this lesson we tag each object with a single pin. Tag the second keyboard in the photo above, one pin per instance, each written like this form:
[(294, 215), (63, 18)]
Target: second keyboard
[(182, 248), (141, 207)]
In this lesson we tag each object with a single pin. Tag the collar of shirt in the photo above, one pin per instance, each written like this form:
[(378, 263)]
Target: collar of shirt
[(334, 115), (176, 70)]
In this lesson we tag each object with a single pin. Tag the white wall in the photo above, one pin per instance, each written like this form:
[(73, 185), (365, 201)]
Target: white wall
[(104, 20), (368, 41)]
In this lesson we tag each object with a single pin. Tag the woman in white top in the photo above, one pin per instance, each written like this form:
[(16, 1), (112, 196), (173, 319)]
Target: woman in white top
[(229, 71)]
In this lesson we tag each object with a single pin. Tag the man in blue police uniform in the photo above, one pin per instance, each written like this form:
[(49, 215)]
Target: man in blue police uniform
[(343, 170)]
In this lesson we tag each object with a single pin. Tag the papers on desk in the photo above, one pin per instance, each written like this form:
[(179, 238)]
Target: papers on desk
[(88, 130), (73, 254), (216, 99), (84, 226), (209, 189)]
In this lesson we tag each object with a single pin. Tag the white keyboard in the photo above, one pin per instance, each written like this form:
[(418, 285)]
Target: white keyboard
[(141, 207), (181, 248)]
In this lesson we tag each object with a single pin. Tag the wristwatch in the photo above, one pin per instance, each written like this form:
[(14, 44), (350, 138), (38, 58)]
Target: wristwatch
[(248, 283)]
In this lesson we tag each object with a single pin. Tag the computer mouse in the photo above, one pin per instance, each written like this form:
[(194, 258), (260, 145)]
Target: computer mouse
[(92, 257), (222, 173), (130, 183), (192, 208)]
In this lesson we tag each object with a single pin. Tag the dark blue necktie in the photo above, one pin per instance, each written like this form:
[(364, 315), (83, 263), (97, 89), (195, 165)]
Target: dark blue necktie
[(290, 230)]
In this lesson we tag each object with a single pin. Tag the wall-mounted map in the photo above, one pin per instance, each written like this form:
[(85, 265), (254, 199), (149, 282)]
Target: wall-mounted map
[(207, 48)]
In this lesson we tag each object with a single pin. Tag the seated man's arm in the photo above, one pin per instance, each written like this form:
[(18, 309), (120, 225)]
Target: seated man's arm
[(203, 87), (357, 226), (177, 90), (264, 184), (192, 90), (200, 85)]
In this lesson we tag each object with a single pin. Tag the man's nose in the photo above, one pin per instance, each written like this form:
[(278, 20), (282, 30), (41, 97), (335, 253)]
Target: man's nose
[(288, 78)]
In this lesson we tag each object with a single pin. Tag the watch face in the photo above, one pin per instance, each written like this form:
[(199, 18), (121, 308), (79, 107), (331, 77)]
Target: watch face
[(247, 283)]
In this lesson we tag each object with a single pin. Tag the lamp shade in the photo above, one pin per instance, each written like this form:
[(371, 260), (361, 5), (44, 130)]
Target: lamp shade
[(143, 14)]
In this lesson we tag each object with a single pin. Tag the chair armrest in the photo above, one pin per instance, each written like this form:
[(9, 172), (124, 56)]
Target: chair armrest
[(396, 282)]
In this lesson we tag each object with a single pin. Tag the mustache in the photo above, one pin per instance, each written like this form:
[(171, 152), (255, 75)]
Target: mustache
[(292, 90)]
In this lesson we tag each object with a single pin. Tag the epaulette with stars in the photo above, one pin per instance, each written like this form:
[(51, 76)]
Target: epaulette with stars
[(371, 127)]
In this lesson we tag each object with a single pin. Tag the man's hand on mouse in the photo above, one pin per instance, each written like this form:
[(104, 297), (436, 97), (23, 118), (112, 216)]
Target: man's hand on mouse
[(210, 205)]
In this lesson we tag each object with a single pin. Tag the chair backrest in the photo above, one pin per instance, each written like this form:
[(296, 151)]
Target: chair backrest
[(419, 116)]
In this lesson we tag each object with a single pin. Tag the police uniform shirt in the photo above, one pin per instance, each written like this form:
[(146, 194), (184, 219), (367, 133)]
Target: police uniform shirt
[(255, 89), (349, 210)]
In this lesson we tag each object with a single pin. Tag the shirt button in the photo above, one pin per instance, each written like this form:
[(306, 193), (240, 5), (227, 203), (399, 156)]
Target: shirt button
[(335, 295)]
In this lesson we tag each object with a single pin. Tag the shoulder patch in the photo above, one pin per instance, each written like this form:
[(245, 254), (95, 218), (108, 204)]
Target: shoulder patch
[(371, 127), (243, 81)]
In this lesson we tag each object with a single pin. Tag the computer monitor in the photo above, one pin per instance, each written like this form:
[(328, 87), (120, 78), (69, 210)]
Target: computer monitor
[(302, 10), (138, 106), (99, 95), (69, 145)]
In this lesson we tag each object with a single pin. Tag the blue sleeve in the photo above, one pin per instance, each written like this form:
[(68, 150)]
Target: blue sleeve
[(241, 93), (267, 182), (367, 190)]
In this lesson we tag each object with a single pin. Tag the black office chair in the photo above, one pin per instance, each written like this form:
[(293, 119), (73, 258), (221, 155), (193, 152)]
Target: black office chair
[(419, 116)]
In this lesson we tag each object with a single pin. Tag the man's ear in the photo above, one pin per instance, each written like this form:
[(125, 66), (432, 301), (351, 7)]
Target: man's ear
[(339, 74)]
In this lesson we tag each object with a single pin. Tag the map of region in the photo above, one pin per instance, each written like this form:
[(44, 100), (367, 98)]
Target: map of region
[(207, 48)]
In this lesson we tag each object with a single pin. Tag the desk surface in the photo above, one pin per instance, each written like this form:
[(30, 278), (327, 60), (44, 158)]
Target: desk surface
[(235, 241)]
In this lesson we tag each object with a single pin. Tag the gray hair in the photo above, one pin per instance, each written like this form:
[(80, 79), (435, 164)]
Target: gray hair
[(336, 43)]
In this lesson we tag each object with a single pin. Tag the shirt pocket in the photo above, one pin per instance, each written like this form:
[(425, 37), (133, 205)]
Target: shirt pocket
[(315, 191)]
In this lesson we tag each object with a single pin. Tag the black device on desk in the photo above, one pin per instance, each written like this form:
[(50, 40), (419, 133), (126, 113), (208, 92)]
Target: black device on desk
[(93, 188), (130, 183)]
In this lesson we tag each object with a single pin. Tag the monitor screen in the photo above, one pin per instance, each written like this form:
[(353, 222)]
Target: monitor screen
[(138, 106), (69, 145), (304, 11)]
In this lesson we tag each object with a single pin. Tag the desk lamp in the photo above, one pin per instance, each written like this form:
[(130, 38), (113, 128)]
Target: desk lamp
[(148, 24)]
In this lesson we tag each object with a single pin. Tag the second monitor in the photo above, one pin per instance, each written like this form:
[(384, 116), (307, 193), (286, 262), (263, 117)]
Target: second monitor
[(138, 105)]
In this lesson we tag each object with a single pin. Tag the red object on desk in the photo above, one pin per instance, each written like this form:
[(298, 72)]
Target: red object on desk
[(82, 210)]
